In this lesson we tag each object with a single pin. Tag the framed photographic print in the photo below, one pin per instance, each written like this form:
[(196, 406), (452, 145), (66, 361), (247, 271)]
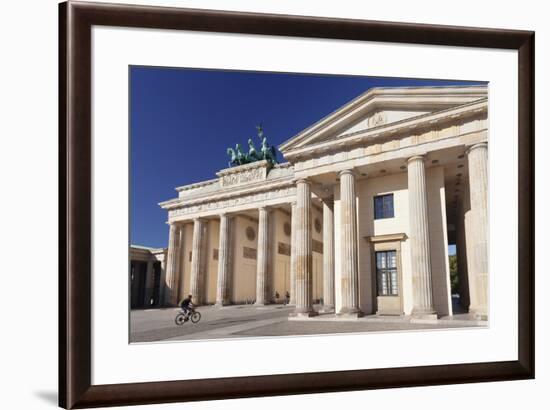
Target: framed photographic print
[(264, 204)]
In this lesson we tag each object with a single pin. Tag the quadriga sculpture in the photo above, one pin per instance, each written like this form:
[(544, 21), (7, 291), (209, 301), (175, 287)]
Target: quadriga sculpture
[(267, 152)]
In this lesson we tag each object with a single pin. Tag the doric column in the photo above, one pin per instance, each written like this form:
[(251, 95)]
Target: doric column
[(348, 245), (477, 169), (222, 289), (420, 239), (196, 261), (179, 276), (170, 292), (462, 254), (304, 274), (293, 255), (328, 255), (148, 294), (262, 257)]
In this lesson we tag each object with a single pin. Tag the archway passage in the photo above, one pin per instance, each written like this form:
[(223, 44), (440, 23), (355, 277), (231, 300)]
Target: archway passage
[(457, 208), (138, 272)]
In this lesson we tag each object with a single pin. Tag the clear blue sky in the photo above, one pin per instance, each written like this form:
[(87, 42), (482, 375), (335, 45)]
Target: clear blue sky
[(182, 121)]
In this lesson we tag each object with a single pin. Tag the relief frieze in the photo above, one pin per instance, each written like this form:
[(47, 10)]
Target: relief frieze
[(252, 175), (231, 202)]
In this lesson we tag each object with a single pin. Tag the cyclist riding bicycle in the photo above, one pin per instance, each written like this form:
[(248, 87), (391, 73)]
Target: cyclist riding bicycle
[(186, 305)]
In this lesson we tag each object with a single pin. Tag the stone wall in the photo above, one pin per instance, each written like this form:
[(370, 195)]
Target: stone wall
[(243, 274), (366, 190)]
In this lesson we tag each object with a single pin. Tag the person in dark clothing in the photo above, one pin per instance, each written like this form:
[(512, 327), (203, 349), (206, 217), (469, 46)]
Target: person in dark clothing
[(186, 304), (287, 297)]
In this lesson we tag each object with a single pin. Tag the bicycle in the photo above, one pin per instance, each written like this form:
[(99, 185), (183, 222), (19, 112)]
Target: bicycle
[(183, 317)]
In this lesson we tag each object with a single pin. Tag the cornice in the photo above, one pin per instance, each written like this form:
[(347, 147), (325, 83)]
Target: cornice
[(392, 129), (197, 185), (388, 98), (227, 194)]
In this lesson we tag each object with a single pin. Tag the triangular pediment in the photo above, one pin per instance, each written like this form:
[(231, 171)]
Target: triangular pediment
[(381, 107)]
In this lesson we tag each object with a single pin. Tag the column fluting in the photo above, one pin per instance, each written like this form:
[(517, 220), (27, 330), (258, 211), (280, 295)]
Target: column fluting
[(293, 254), (179, 275), (171, 266), (328, 255), (348, 245), (478, 238), (420, 238), (304, 303), (262, 257), (224, 262), (196, 261)]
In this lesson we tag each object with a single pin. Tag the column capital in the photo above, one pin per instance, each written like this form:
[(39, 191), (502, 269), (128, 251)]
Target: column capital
[(475, 146), (416, 158), (264, 208), (349, 171), (302, 181), (227, 215)]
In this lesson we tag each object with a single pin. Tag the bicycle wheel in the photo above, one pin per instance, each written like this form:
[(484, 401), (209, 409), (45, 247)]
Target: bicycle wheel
[(195, 317), (180, 319)]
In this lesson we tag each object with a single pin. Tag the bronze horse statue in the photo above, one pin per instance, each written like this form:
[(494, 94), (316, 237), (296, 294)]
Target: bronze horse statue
[(267, 152)]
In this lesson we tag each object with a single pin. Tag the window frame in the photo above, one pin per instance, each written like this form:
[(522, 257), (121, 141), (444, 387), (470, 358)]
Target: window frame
[(388, 272), (383, 198)]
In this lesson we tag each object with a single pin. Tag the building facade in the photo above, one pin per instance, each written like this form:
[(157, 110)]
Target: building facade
[(357, 221), (147, 267)]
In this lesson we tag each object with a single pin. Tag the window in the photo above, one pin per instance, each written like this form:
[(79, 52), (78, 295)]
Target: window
[(386, 273), (383, 206)]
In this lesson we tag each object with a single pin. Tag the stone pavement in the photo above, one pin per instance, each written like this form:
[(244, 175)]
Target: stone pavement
[(249, 321)]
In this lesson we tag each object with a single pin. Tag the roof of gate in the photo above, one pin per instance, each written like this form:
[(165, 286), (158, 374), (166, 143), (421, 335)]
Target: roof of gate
[(381, 107)]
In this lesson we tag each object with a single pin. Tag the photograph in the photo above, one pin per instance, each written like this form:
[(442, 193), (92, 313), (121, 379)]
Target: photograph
[(311, 204), (277, 204)]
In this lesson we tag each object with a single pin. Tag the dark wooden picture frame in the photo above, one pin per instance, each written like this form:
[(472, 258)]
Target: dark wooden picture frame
[(75, 60)]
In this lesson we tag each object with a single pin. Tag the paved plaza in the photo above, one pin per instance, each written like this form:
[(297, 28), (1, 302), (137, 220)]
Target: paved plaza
[(151, 325)]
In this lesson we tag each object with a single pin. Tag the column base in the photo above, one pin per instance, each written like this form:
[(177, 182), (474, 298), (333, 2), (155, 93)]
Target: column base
[(349, 312), (221, 304), (303, 312), (424, 314), (327, 309), (259, 304)]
